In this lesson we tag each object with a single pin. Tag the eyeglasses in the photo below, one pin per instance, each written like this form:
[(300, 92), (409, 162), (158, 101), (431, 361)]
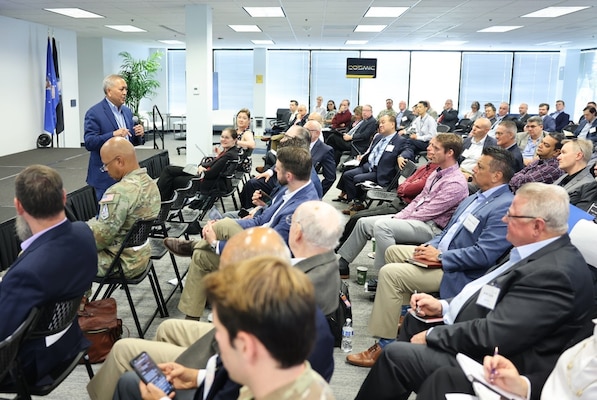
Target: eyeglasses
[(532, 126), (104, 167), (509, 216)]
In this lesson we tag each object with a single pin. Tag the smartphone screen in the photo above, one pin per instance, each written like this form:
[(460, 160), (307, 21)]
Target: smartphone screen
[(264, 196), (242, 213), (149, 372)]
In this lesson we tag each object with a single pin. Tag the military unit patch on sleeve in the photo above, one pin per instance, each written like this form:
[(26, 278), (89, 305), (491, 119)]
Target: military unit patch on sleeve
[(104, 213)]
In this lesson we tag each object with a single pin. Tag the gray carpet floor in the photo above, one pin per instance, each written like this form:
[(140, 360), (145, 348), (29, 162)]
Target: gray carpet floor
[(346, 379)]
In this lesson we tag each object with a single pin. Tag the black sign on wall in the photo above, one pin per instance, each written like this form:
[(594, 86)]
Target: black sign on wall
[(361, 67)]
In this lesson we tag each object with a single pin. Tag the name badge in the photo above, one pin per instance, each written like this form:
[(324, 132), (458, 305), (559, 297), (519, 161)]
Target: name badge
[(470, 223), (592, 130), (404, 118), (390, 147), (488, 296)]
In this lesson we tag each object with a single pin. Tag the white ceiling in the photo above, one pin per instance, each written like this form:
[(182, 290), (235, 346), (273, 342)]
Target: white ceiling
[(327, 24)]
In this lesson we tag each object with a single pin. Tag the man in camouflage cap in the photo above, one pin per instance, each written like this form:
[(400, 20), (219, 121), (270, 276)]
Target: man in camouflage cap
[(135, 196)]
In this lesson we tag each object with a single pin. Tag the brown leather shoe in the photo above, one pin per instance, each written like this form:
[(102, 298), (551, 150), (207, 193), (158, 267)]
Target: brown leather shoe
[(260, 169), (180, 247), (366, 358)]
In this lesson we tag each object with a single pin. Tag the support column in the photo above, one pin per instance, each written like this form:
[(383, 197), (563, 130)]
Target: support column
[(199, 81), (259, 86)]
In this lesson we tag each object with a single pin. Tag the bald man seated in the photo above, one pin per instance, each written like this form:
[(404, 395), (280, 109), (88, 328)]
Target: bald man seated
[(175, 336)]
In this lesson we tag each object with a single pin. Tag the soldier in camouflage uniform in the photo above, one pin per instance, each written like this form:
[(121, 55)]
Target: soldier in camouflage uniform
[(135, 196)]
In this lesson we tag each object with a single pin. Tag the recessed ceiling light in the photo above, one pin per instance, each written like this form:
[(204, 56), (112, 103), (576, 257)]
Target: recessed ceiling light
[(265, 12), (262, 41), (125, 28), (499, 29), (370, 28), (171, 41), (453, 42), (356, 42), (387, 12), (553, 12), (245, 28), (74, 12), (552, 43)]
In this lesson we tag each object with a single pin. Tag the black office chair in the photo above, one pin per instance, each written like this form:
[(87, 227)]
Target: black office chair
[(115, 277), (9, 347), (389, 193), (51, 319)]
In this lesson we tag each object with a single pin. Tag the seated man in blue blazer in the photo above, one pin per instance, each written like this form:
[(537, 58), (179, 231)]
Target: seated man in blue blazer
[(58, 262), (379, 163), (587, 129), (108, 118)]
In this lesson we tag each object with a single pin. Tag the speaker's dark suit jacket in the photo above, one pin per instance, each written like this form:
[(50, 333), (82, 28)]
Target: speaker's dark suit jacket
[(59, 265), (100, 125)]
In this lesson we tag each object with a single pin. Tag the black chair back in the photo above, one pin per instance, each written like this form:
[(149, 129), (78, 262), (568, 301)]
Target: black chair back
[(55, 317), (9, 347)]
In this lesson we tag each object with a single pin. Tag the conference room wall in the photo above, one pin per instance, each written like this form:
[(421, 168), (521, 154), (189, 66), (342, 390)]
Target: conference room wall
[(23, 71)]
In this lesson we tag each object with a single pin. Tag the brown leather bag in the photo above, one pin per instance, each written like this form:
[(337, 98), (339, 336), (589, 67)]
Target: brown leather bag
[(100, 325)]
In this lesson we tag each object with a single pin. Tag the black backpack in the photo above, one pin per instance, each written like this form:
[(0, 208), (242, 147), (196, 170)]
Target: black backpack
[(337, 319)]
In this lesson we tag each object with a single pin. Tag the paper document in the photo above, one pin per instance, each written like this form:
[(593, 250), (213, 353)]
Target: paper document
[(474, 372)]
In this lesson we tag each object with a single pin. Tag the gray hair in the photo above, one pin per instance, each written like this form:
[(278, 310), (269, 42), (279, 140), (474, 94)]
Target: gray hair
[(109, 81), (549, 202), (320, 223), (583, 145)]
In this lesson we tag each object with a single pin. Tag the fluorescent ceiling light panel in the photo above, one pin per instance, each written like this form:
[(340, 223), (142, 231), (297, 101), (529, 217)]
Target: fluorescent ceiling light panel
[(170, 41), (453, 42), (125, 28), (552, 43), (245, 28), (370, 28), (74, 12), (357, 42), (265, 12), (262, 41), (553, 12), (499, 29), (385, 12)]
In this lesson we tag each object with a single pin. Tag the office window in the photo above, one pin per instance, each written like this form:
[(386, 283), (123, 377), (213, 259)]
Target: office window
[(534, 80), (391, 82), (177, 93), (287, 78), (435, 77), (485, 77), (586, 86), (234, 70), (328, 77)]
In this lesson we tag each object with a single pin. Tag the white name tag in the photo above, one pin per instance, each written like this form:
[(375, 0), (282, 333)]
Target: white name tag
[(592, 130), (488, 296), (404, 118), (390, 147), (470, 223)]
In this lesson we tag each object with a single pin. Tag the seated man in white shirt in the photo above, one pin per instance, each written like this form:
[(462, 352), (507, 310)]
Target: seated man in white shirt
[(473, 146), (422, 129)]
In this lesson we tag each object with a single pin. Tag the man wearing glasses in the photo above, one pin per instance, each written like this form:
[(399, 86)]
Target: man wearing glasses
[(134, 196), (529, 140), (532, 305)]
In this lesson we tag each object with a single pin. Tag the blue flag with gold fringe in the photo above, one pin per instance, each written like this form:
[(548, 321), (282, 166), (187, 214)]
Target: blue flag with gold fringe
[(52, 98)]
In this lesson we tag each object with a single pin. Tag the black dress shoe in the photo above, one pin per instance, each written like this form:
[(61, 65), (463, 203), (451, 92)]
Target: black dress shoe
[(343, 268)]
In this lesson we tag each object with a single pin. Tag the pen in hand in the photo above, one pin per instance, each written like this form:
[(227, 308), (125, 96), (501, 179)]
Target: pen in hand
[(417, 309), (493, 370)]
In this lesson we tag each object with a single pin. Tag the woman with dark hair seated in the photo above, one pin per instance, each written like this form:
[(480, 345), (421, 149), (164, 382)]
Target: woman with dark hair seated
[(174, 177)]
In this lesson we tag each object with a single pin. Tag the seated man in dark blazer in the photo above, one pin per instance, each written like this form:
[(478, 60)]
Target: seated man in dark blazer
[(577, 180), (108, 118), (504, 307), (449, 115), (379, 163), (587, 129), (58, 262), (561, 117)]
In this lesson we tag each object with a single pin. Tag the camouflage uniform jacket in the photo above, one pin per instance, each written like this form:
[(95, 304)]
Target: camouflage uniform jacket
[(308, 386), (135, 196)]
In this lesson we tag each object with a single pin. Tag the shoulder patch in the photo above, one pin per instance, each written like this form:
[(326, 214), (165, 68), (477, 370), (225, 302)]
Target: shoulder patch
[(107, 197), (104, 213)]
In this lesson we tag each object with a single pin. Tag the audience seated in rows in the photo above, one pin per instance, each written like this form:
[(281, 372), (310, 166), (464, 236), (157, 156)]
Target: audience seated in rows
[(473, 241), (424, 217), (543, 262)]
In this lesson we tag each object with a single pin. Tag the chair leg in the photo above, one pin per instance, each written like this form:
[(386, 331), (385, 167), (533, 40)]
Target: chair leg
[(133, 311), (88, 366)]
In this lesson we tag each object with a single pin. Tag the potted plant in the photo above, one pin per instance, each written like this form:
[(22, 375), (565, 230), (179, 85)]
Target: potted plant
[(139, 76)]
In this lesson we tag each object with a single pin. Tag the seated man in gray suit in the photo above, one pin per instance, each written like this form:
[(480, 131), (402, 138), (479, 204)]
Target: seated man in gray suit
[(578, 181)]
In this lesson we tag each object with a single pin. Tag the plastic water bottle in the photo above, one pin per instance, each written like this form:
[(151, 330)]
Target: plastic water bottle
[(347, 333)]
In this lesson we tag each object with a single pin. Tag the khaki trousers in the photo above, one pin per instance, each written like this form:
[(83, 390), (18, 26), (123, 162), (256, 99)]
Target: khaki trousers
[(397, 281)]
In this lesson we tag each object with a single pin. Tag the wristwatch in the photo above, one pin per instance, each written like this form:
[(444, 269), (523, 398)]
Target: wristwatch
[(439, 256), (213, 245)]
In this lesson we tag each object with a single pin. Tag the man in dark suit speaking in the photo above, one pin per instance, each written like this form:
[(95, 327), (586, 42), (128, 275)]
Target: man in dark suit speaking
[(108, 118), (58, 262), (531, 306)]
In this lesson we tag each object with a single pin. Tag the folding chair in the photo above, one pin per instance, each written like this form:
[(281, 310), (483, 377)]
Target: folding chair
[(9, 347), (389, 193), (160, 230), (231, 182), (179, 212), (138, 235), (51, 319)]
